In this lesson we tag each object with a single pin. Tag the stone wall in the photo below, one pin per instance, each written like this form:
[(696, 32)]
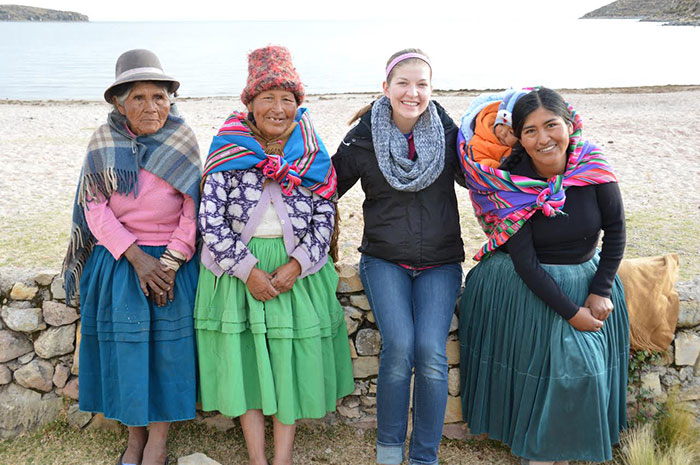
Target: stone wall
[(39, 336)]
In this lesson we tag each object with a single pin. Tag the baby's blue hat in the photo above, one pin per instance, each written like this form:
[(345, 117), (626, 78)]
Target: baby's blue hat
[(505, 109)]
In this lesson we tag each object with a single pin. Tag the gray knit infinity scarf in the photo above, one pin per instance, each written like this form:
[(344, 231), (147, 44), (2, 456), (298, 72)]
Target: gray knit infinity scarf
[(391, 148)]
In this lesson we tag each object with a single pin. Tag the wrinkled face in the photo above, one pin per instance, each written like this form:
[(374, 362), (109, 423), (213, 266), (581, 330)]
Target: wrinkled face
[(505, 134), (409, 93), (545, 138), (146, 108), (274, 111)]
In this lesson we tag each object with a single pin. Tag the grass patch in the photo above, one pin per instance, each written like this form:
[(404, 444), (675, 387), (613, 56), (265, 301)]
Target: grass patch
[(654, 232)]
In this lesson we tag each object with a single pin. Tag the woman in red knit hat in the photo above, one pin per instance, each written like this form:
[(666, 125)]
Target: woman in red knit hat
[(271, 335)]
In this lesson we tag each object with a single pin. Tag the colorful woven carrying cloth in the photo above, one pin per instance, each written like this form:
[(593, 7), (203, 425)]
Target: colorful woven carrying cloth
[(112, 164), (503, 202), (305, 160)]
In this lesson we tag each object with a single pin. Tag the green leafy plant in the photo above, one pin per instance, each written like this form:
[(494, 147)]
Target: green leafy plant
[(646, 406)]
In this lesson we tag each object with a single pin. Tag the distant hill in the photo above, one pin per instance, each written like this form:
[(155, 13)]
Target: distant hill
[(675, 12), (30, 13)]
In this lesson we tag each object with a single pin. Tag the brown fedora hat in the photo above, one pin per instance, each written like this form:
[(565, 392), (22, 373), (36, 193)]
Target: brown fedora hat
[(139, 65)]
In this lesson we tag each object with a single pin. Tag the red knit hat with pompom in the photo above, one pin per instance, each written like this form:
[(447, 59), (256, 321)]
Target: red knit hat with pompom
[(271, 68)]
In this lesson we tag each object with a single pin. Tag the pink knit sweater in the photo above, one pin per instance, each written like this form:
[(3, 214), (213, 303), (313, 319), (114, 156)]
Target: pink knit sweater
[(159, 215)]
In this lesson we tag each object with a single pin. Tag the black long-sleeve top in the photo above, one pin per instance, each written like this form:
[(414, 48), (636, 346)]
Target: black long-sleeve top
[(570, 239)]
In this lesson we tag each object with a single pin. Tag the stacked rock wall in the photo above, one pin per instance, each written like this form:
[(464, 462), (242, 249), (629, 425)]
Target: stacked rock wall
[(40, 334)]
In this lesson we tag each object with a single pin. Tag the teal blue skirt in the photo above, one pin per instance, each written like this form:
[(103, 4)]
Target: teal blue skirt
[(137, 360), (529, 378)]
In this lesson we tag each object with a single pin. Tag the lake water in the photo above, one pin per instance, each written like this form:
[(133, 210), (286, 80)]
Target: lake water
[(76, 60)]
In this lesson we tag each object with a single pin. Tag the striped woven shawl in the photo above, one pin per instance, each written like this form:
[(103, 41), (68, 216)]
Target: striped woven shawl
[(503, 202), (304, 161), (112, 165)]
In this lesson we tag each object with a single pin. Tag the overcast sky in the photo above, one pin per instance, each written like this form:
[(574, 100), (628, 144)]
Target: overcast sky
[(238, 10)]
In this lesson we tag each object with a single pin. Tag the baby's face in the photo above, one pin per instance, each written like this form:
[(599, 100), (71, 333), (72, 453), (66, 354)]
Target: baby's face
[(505, 135)]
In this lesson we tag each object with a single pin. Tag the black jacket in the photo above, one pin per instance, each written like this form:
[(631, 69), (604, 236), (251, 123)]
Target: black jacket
[(413, 228)]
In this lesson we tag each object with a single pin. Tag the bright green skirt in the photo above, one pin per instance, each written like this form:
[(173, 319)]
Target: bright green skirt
[(288, 357)]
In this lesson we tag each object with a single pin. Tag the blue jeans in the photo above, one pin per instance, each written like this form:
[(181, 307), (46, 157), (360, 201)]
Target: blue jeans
[(413, 310)]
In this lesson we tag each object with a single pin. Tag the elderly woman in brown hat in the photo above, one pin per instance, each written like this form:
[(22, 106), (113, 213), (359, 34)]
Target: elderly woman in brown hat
[(271, 336), (132, 241)]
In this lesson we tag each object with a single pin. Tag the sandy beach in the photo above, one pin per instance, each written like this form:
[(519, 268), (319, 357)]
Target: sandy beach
[(651, 136)]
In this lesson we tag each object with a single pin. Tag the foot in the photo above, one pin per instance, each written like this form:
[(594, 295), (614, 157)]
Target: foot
[(154, 455), (134, 448)]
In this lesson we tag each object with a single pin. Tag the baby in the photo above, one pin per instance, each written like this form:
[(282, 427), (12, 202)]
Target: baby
[(493, 131)]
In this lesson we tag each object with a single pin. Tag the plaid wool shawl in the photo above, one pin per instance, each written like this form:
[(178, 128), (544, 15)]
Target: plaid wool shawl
[(503, 202), (305, 160), (114, 158)]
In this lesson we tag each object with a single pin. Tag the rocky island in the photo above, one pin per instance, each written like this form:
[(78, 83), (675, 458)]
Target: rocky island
[(30, 13), (671, 12)]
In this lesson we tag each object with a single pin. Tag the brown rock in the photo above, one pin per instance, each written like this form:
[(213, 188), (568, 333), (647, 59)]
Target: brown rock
[(453, 381), (687, 348), (353, 352), (21, 291), (76, 355), (364, 367), (453, 352), (58, 314), (55, 341), (57, 289), (71, 389), (5, 375), (44, 278), (360, 301), (370, 317), (78, 418), (457, 431), (13, 345), (454, 324), (349, 412), (368, 401), (196, 459), (351, 324), (453, 412), (61, 375), (26, 320), (99, 422), (349, 279), (368, 342), (38, 375)]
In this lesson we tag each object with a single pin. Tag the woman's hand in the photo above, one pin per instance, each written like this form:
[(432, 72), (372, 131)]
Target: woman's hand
[(284, 277), (601, 307), (151, 274), (162, 300), (260, 286), (585, 321)]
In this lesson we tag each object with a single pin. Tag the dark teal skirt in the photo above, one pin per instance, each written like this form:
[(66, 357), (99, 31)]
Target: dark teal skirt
[(137, 360), (529, 378)]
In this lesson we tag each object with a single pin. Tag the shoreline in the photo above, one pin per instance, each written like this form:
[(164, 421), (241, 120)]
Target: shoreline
[(648, 134), (651, 89)]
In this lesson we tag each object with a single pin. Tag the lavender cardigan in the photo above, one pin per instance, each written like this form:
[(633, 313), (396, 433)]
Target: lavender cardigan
[(233, 202)]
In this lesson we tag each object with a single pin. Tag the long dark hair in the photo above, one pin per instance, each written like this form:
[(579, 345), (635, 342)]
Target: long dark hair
[(542, 97)]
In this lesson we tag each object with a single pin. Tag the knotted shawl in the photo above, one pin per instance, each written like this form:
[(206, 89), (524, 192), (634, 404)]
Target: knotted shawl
[(112, 164), (503, 202), (304, 160), (391, 148)]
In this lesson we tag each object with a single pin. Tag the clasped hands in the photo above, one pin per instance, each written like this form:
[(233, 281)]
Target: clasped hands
[(157, 281), (594, 312), (266, 286)]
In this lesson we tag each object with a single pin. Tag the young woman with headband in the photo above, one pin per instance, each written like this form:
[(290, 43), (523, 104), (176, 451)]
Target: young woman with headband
[(403, 151)]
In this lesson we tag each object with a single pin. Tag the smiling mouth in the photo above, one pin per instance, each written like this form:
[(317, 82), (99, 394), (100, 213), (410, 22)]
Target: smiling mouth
[(548, 149), (276, 120), (410, 104)]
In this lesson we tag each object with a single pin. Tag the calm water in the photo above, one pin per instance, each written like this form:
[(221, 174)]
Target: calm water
[(76, 60)]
